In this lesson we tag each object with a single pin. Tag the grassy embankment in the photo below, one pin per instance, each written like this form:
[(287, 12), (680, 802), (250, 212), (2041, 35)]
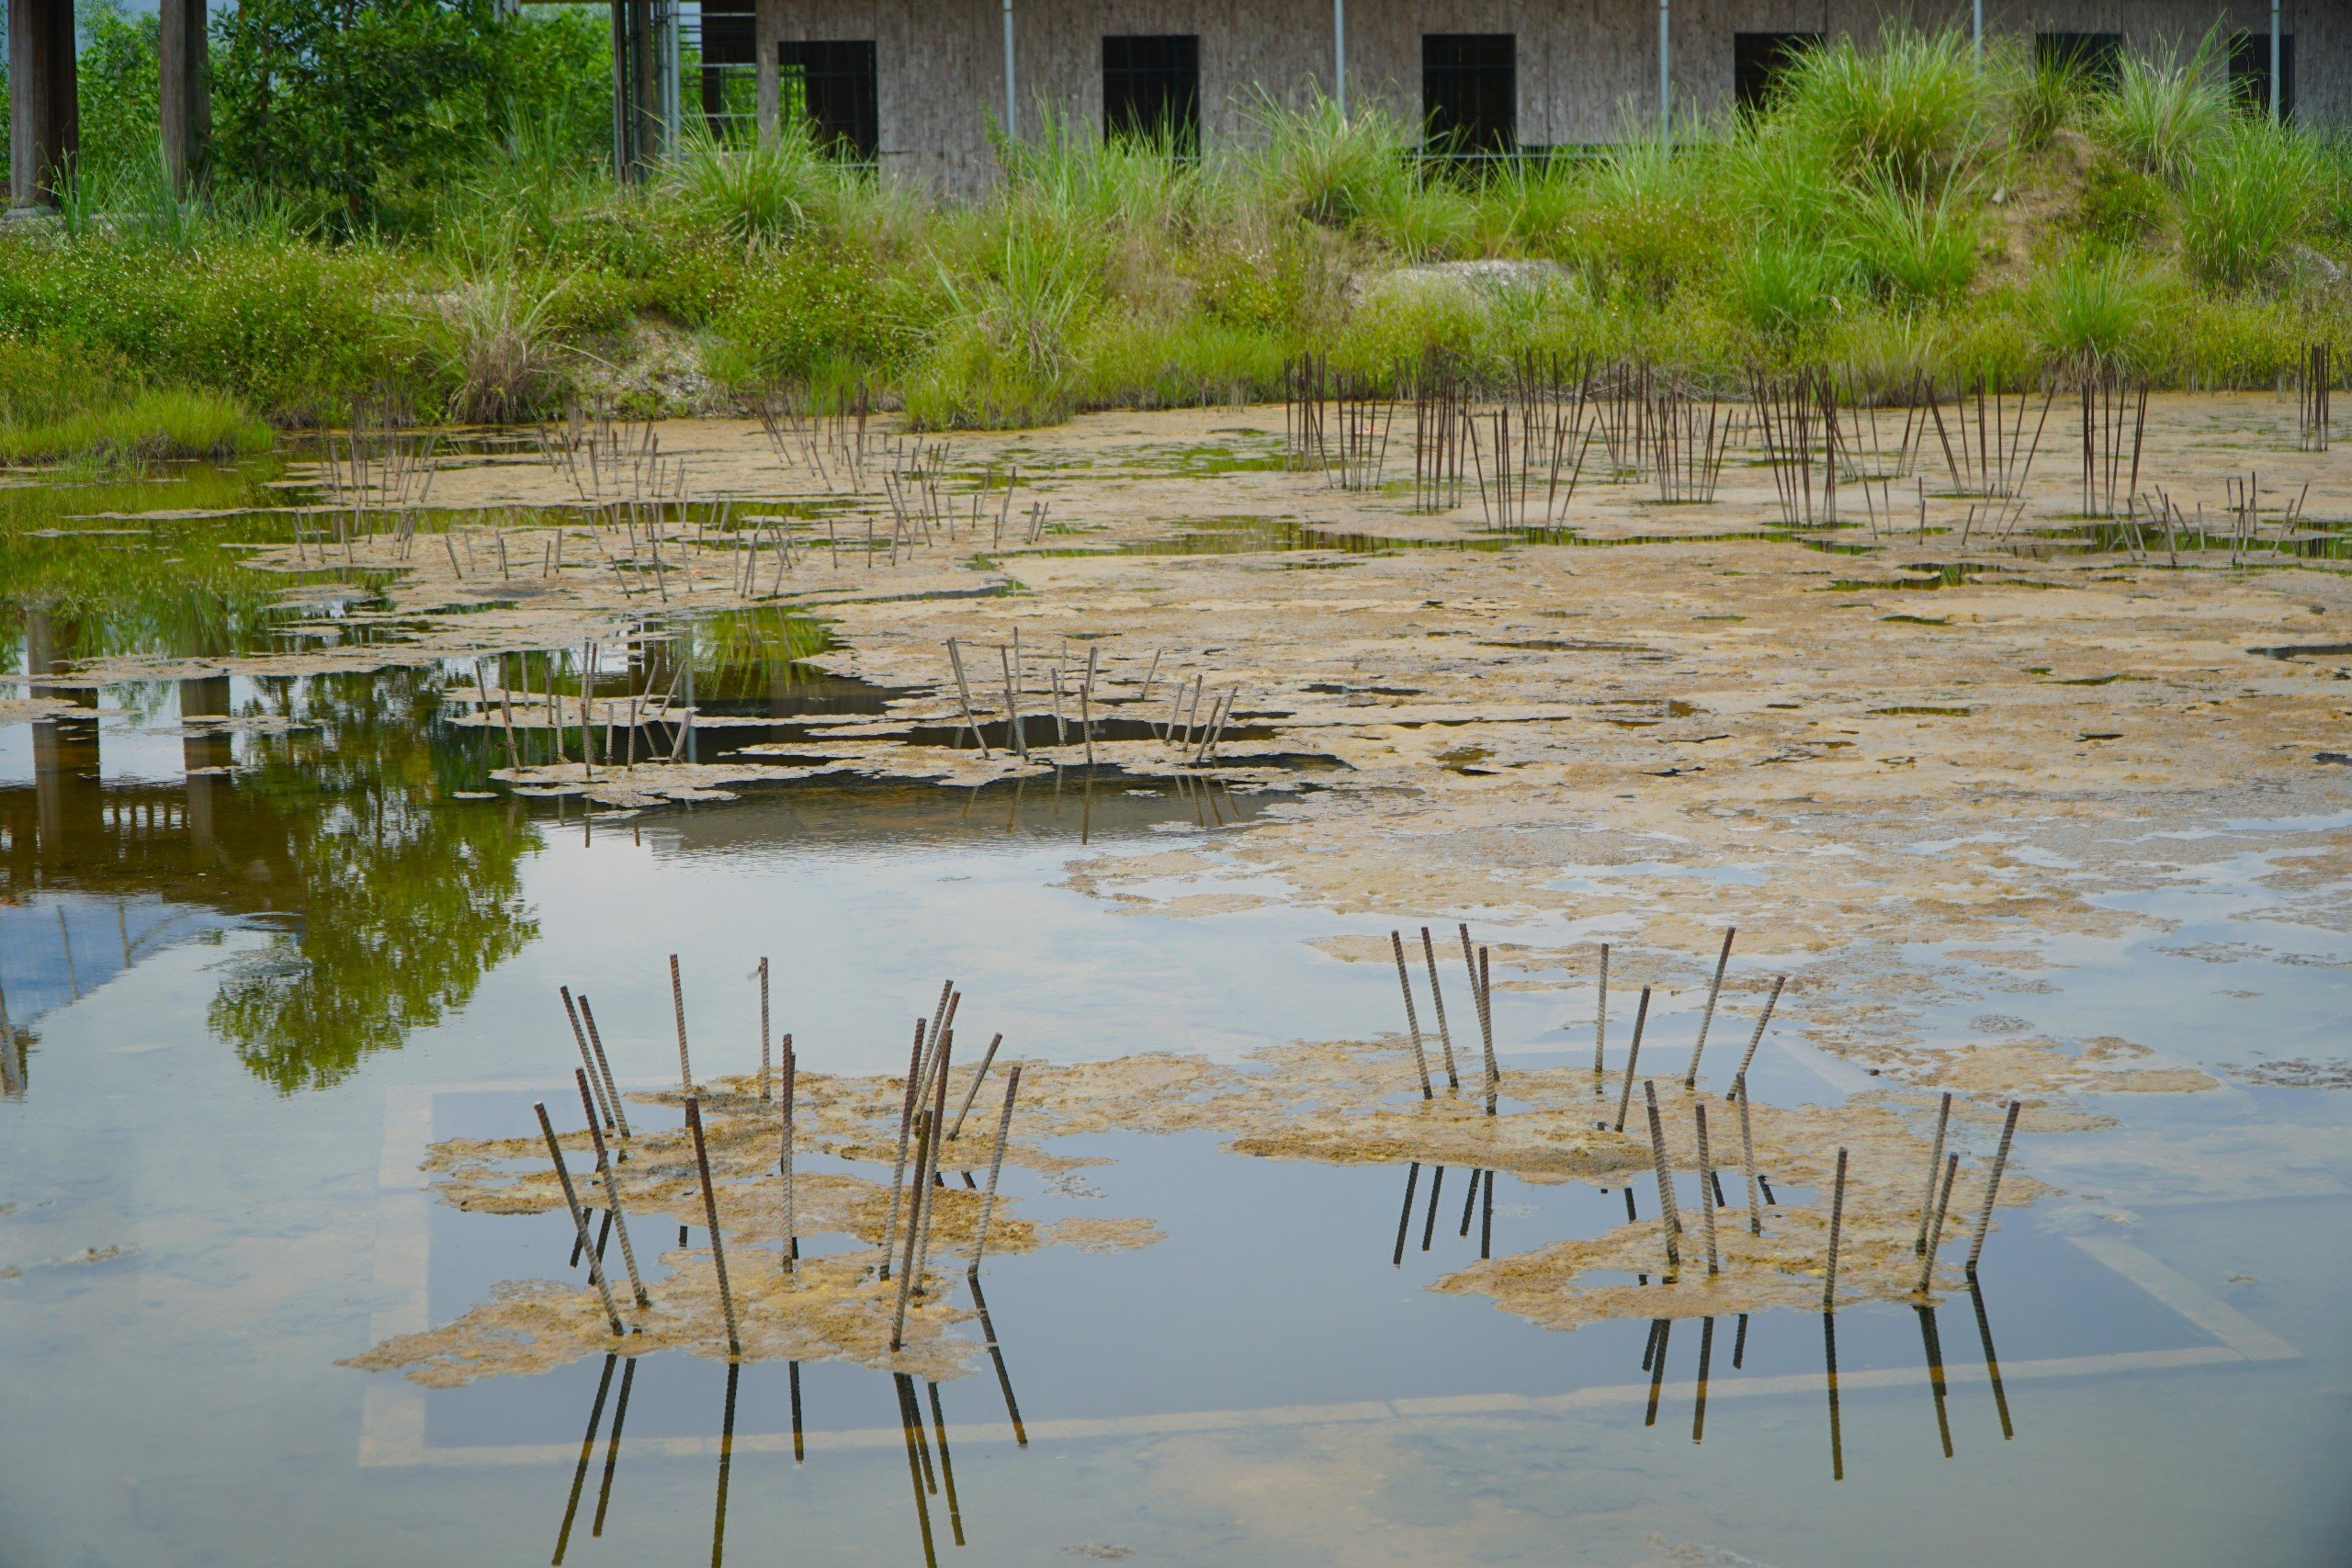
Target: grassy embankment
[(1897, 210)]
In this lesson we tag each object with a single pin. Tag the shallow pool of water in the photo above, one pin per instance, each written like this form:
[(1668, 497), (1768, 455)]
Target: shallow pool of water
[(263, 939)]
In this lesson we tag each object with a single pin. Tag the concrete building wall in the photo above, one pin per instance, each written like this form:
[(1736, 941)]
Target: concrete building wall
[(1588, 69)]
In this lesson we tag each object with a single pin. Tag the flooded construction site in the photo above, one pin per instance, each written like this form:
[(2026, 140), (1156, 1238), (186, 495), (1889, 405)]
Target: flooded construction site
[(793, 989)]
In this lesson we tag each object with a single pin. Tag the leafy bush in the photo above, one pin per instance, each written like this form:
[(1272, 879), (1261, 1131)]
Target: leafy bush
[(1641, 224), (807, 314), (2121, 204)]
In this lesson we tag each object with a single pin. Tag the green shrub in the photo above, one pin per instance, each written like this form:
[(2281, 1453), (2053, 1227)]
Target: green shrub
[(1640, 220), (802, 314), (2121, 204)]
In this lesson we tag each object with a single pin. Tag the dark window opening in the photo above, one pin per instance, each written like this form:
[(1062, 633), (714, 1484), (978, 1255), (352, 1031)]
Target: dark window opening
[(730, 59), (2250, 73), (1758, 61), (2097, 58), (831, 83), (1151, 90), (1470, 92)]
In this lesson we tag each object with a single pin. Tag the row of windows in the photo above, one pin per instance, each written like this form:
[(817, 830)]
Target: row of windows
[(1152, 84)]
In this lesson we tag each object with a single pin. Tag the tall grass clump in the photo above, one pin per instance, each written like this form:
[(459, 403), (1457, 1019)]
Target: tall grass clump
[(2247, 200), (65, 403), (1782, 288), (2095, 310), (1004, 357), (1639, 225), (1331, 168), (755, 195), (1914, 249), (2164, 110), (2053, 90), (497, 350), (1914, 108)]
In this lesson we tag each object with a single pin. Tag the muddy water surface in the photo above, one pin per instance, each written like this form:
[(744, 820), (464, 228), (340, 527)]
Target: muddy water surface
[(277, 923)]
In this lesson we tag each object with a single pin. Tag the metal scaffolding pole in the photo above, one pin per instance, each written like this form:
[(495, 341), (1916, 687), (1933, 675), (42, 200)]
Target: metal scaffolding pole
[(1340, 56), (1665, 71), (1011, 99)]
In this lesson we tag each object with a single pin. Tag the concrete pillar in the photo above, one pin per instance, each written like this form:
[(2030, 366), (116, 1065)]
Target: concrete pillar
[(766, 36), (66, 791), (205, 698), (44, 110), (186, 91)]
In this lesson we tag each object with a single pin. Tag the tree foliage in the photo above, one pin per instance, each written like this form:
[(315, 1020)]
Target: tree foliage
[(355, 109)]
